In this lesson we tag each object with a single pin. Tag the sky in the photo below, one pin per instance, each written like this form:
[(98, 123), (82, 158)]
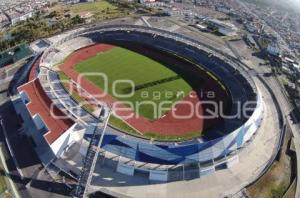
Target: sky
[(290, 4), (294, 4)]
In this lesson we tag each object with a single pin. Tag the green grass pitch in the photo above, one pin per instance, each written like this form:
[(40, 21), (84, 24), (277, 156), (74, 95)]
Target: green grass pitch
[(154, 83)]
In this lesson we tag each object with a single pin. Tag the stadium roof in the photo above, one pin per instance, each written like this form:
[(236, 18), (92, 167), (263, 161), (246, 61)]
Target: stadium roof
[(41, 104)]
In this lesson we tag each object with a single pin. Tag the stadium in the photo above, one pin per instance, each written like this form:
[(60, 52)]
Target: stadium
[(162, 146)]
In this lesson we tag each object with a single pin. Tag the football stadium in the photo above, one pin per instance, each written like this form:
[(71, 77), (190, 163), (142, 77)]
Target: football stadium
[(144, 96)]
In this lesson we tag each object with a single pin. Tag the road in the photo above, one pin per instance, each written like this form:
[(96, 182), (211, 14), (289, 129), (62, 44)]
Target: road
[(244, 54), (285, 106), (278, 36)]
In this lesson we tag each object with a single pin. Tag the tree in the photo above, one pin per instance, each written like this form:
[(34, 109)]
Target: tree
[(52, 14), (77, 20)]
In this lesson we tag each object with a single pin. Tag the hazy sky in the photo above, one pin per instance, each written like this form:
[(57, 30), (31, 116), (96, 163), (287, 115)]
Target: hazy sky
[(295, 4), (291, 4)]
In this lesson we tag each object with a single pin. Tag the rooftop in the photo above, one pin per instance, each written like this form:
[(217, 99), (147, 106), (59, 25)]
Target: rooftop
[(41, 104)]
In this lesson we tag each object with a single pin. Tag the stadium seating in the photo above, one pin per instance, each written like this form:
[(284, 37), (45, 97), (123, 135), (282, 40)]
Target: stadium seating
[(196, 158)]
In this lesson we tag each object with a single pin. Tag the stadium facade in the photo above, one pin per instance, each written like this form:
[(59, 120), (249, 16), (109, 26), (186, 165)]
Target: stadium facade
[(164, 161)]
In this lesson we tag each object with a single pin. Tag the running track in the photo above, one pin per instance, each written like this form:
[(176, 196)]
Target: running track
[(166, 125)]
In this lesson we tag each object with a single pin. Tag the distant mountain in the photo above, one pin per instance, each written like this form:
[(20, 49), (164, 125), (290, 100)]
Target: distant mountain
[(288, 5)]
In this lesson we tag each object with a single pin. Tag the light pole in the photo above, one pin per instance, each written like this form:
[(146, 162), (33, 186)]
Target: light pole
[(97, 151), (105, 125)]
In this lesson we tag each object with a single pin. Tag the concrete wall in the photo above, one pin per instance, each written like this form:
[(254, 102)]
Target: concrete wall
[(66, 140), (29, 128)]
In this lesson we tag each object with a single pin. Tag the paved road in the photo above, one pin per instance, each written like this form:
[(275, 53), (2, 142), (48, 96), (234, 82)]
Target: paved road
[(286, 108), (280, 39), (243, 53)]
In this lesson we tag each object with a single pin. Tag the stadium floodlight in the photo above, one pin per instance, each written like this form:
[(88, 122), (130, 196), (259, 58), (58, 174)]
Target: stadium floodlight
[(82, 183), (98, 149)]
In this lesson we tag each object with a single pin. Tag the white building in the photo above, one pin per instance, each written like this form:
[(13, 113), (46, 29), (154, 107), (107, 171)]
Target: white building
[(20, 17), (273, 50), (222, 27), (147, 1)]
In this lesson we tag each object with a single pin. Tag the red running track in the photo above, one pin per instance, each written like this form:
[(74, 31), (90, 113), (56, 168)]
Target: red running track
[(168, 124)]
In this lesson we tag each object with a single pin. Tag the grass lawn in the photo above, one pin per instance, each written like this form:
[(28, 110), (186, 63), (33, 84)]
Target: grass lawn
[(153, 82), (97, 6), (120, 124), (94, 7), (123, 126), (172, 138), (275, 182), (74, 95), (4, 191), (100, 9), (6, 183)]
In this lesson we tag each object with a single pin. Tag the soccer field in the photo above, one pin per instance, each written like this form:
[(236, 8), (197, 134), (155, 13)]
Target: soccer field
[(153, 82)]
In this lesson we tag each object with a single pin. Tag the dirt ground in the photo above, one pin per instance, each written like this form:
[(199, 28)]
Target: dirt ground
[(280, 176)]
